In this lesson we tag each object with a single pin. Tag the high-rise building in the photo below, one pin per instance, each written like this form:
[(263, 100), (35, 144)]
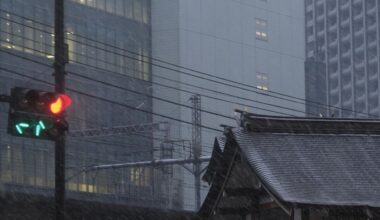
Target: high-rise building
[(256, 42), (343, 37), (109, 41)]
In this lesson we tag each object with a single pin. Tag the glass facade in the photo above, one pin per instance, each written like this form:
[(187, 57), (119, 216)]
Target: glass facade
[(105, 47), (137, 10), (343, 36), (110, 40)]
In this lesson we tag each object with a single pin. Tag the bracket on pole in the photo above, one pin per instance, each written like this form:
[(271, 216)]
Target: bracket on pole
[(5, 98)]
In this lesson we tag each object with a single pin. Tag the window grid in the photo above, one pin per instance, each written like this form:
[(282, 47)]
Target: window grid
[(40, 42), (133, 9)]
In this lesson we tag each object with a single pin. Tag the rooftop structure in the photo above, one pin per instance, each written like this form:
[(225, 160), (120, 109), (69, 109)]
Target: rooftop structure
[(306, 168)]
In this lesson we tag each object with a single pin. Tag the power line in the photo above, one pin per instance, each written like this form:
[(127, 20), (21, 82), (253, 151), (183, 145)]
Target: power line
[(187, 91), (262, 93), (147, 95), (197, 71), (207, 111), (190, 92), (160, 138), (143, 136), (265, 103), (186, 73), (75, 150), (158, 65), (111, 101), (218, 92), (207, 74), (137, 134)]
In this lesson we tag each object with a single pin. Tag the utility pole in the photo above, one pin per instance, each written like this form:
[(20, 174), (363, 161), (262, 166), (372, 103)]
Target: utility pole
[(60, 60), (197, 146)]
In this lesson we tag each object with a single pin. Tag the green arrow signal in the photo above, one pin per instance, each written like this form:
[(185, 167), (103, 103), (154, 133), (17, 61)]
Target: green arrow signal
[(20, 126), (39, 127), (41, 123), (38, 130)]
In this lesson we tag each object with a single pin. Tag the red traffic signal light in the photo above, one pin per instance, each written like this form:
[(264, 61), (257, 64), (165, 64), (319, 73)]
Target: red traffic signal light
[(60, 104), (41, 102)]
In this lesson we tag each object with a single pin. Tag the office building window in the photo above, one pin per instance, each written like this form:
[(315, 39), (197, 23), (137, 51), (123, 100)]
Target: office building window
[(133, 9), (262, 87), (140, 176), (262, 81), (261, 29), (21, 35), (262, 76), (24, 35)]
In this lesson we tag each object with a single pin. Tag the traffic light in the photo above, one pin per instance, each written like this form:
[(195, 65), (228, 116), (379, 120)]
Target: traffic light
[(40, 102), (37, 114)]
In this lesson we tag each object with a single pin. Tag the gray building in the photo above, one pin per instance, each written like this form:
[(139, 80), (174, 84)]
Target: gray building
[(344, 36), (257, 42), (315, 88), (109, 42)]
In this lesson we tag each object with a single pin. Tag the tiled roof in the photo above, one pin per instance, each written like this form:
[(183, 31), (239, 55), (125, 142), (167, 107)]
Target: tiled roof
[(305, 161), (275, 124), (326, 169), (216, 158)]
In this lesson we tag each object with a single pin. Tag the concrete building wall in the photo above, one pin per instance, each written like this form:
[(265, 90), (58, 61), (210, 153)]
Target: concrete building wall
[(219, 37)]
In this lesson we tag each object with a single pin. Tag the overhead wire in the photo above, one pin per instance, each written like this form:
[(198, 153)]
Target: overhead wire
[(161, 139), (147, 95), (126, 89), (218, 92), (139, 54), (165, 62), (194, 86), (261, 92), (43, 82), (156, 136), (108, 160), (42, 63), (137, 134), (111, 101), (199, 72)]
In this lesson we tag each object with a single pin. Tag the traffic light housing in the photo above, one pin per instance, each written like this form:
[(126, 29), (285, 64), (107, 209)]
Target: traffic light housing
[(37, 114), (39, 102), (36, 126)]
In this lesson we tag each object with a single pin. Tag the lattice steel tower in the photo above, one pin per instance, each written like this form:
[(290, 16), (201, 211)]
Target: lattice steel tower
[(197, 146)]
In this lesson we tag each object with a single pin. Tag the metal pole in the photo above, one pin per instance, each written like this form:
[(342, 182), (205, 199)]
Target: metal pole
[(59, 75), (197, 146)]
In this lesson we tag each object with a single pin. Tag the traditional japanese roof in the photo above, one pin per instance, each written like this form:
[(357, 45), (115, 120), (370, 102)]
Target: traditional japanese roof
[(216, 154), (316, 168), (310, 161)]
